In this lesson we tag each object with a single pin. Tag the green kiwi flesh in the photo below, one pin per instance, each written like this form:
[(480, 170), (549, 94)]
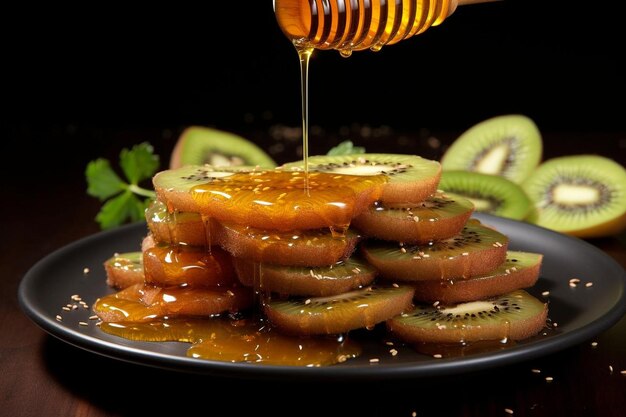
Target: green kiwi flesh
[(582, 195), (489, 193), (513, 316), (519, 270), (507, 145), (199, 145), (476, 250), (436, 218), (339, 313), (341, 277), (410, 178)]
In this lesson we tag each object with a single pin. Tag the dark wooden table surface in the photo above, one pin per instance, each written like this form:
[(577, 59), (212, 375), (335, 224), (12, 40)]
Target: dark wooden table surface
[(42, 376)]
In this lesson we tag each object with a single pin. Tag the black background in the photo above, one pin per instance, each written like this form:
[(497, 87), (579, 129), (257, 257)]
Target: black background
[(90, 81)]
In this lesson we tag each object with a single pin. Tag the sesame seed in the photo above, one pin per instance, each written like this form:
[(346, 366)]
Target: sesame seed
[(549, 379), (394, 285), (437, 356), (574, 281), (465, 254), (436, 303), (403, 250), (342, 358), (535, 371), (74, 307), (508, 411), (545, 293), (307, 301), (76, 297), (623, 372), (82, 323), (393, 352), (611, 368), (86, 270), (66, 308), (555, 324), (388, 343), (94, 317), (572, 285), (589, 284), (594, 344), (374, 360), (413, 414), (59, 318), (230, 293)]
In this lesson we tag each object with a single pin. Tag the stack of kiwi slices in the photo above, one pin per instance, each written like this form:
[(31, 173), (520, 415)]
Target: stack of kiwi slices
[(344, 243)]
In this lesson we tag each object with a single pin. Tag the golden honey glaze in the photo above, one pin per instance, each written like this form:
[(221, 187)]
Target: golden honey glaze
[(288, 200), (240, 340)]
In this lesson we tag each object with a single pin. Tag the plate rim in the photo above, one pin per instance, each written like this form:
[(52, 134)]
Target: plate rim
[(448, 366)]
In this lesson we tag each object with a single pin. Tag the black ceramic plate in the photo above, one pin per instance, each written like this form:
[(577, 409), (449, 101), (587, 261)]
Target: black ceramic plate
[(580, 312)]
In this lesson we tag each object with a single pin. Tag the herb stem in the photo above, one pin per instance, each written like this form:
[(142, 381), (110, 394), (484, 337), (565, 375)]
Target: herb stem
[(141, 191)]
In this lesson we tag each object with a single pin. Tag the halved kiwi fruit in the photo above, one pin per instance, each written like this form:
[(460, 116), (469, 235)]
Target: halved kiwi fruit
[(436, 218), (339, 313), (520, 270), (582, 195), (507, 145), (512, 316), (186, 266), (489, 193), (199, 145), (475, 251), (410, 178), (173, 186), (124, 269), (317, 247), (341, 277)]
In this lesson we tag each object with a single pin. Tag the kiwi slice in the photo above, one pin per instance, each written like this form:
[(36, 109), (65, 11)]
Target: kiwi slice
[(436, 218), (176, 227), (317, 247), (173, 186), (339, 313), (582, 195), (489, 193), (410, 178), (188, 266), (341, 277), (199, 145), (513, 316), (475, 251), (508, 145), (519, 270), (141, 303), (124, 269)]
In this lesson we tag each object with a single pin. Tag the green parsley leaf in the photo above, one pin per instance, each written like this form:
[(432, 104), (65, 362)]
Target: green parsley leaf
[(124, 201), (119, 209), (102, 181), (345, 148), (139, 163)]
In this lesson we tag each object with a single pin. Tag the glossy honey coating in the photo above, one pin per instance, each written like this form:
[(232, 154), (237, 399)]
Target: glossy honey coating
[(252, 341), (288, 200)]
